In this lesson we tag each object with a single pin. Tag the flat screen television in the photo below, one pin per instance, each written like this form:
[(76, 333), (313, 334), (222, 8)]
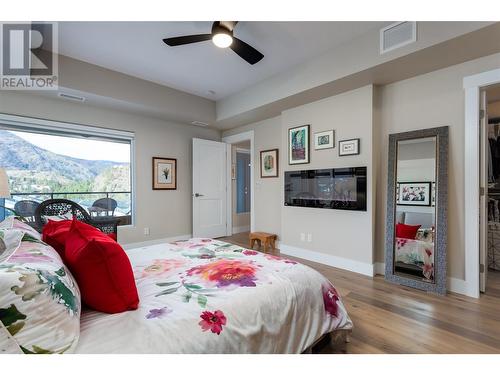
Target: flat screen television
[(338, 188)]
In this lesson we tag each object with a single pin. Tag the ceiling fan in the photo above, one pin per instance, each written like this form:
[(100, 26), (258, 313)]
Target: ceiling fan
[(222, 37)]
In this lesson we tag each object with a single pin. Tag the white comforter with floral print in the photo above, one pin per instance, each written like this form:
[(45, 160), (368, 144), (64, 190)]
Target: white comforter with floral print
[(207, 296), (418, 253)]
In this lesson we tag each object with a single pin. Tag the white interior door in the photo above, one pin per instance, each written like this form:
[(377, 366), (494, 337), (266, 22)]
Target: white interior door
[(483, 198), (209, 188)]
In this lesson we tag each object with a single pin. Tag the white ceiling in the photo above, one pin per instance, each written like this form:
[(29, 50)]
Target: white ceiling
[(137, 49)]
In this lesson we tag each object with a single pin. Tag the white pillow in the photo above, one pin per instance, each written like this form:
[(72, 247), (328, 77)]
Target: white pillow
[(39, 301), (10, 239), (13, 223)]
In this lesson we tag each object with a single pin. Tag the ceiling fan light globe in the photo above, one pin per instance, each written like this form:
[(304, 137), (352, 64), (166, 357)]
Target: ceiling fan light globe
[(222, 40)]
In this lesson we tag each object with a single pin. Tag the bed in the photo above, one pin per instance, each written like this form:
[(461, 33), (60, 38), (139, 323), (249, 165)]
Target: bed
[(416, 256), (207, 296)]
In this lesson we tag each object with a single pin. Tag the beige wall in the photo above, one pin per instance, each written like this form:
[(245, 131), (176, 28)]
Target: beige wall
[(268, 196), (166, 213), (107, 87), (351, 116), (426, 101), (334, 232)]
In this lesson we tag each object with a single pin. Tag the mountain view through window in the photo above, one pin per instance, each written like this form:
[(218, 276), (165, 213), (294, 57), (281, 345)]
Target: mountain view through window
[(43, 166)]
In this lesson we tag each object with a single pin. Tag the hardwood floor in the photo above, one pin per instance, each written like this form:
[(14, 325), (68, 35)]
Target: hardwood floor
[(493, 283), (390, 318)]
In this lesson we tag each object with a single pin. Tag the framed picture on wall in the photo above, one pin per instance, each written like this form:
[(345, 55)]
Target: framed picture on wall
[(414, 193), (269, 163), (164, 173), (323, 140), (298, 145), (349, 147)]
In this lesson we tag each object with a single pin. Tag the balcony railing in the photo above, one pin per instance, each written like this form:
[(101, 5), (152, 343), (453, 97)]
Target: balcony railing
[(84, 199)]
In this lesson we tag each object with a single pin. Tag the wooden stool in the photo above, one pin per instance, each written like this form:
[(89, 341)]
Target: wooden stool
[(264, 239)]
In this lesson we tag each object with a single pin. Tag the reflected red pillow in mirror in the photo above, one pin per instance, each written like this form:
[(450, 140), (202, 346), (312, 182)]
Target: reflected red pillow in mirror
[(407, 231)]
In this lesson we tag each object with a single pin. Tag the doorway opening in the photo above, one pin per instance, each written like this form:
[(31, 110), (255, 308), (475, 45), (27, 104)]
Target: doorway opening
[(489, 257), (240, 186), (240, 183), (476, 181)]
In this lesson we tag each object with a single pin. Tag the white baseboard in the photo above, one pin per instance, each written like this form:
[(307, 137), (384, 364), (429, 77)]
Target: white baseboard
[(158, 241), (457, 285), (330, 260), (379, 268), (244, 228), (453, 285)]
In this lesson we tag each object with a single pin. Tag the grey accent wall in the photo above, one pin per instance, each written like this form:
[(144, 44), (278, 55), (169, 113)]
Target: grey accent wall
[(166, 213)]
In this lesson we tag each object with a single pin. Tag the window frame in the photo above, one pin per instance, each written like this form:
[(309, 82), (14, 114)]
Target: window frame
[(61, 128)]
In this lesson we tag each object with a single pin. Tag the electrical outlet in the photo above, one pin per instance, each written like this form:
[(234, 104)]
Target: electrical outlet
[(309, 237), (146, 231), (302, 236)]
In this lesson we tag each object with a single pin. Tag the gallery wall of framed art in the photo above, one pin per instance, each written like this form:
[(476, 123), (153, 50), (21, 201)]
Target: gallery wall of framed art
[(299, 148)]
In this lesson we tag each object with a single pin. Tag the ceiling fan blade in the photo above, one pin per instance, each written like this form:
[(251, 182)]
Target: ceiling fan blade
[(246, 51), (187, 39)]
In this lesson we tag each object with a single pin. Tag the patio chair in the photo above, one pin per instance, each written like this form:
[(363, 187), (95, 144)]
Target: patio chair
[(105, 206), (26, 209), (58, 207)]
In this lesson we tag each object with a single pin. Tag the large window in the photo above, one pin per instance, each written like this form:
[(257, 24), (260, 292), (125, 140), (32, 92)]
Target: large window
[(48, 160)]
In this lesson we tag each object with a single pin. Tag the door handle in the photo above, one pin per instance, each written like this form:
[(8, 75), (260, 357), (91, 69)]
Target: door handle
[(198, 195)]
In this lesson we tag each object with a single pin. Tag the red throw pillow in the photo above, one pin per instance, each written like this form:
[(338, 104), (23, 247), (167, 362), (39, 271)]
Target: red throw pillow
[(407, 231), (102, 270), (55, 233)]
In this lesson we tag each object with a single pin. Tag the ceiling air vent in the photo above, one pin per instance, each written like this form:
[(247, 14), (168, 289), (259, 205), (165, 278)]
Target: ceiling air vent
[(199, 123), (72, 97), (397, 35)]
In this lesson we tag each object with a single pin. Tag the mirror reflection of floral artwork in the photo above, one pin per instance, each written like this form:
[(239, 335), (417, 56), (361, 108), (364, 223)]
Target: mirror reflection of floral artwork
[(269, 163), (415, 193), (164, 174)]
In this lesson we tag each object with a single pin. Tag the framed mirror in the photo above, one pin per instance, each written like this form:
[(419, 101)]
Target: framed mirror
[(416, 232)]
